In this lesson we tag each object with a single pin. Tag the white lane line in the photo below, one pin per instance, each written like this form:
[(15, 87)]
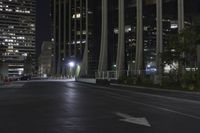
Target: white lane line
[(134, 120), (121, 97), (159, 96), (145, 94), (156, 89)]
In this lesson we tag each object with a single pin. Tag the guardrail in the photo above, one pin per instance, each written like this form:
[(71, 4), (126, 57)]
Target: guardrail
[(113, 75), (109, 75), (87, 80)]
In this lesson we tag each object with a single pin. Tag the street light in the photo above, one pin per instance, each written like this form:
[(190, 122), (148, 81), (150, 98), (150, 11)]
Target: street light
[(71, 64)]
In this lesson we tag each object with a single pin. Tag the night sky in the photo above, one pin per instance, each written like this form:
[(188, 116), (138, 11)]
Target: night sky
[(43, 23)]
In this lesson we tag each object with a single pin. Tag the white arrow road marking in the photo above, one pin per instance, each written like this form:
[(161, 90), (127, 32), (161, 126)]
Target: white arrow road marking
[(130, 119)]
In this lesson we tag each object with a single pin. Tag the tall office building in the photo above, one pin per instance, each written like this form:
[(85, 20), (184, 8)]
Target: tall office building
[(17, 34), (76, 27), (121, 34)]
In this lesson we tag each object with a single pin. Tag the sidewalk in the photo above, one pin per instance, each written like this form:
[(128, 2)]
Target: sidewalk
[(12, 84)]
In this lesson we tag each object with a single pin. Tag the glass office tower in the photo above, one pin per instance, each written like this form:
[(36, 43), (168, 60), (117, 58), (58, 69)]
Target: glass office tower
[(17, 34), (128, 32), (76, 26)]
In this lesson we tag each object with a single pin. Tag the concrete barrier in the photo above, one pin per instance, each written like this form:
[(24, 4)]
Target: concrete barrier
[(102, 82), (87, 80)]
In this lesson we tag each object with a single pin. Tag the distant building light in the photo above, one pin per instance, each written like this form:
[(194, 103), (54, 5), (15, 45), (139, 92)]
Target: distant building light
[(20, 72), (116, 31), (78, 15), (173, 50), (128, 28), (174, 26), (25, 54), (9, 10)]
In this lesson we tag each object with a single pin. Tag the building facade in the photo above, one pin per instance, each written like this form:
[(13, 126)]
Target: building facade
[(120, 35), (76, 28), (17, 34)]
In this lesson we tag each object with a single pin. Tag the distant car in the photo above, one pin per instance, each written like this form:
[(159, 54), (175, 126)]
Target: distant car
[(25, 78)]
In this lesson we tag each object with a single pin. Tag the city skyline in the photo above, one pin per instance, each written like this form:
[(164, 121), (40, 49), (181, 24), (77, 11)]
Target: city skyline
[(99, 66), (76, 37), (129, 37)]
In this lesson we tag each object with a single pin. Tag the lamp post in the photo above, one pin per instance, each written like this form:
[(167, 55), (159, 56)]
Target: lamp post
[(71, 65)]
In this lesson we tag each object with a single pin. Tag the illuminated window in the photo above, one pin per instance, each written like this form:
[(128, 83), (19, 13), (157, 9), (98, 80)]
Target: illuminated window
[(78, 15)]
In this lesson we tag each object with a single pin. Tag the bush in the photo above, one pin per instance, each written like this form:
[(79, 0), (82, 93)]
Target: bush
[(127, 80), (197, 76), (188, 81)]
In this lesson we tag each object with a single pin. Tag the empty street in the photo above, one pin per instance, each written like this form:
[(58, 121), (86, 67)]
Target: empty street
[(71, 107)]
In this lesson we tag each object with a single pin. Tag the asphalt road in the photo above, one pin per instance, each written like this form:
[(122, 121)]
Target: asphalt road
[(69, 107)]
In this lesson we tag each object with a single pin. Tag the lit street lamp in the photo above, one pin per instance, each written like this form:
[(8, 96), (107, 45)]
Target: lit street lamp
[(71, 64)]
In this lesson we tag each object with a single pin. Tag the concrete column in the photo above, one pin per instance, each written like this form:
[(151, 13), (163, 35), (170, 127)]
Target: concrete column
[(59, 40), (64, 37), (181, 26), (84, 65), (159, 37), (180, 15), (87, 39), (70, 28), (104, 38), (139, 38), (54, 52), (81, 26), (75, 27), (121, 44), (65, 28)]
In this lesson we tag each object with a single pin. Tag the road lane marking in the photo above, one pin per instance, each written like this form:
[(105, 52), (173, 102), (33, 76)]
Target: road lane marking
[(161, 96), (156, 89), (134, 120), (145, 94), (121, 97)]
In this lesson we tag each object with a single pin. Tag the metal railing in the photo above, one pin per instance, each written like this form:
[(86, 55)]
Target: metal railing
[(109, 75), (114, 75)]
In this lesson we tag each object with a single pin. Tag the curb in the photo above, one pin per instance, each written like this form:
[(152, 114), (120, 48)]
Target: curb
[(155, 89)]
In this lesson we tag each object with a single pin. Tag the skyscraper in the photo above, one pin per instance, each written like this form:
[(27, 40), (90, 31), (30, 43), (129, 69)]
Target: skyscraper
[(17, 34), (76, 27), (121, 35)]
